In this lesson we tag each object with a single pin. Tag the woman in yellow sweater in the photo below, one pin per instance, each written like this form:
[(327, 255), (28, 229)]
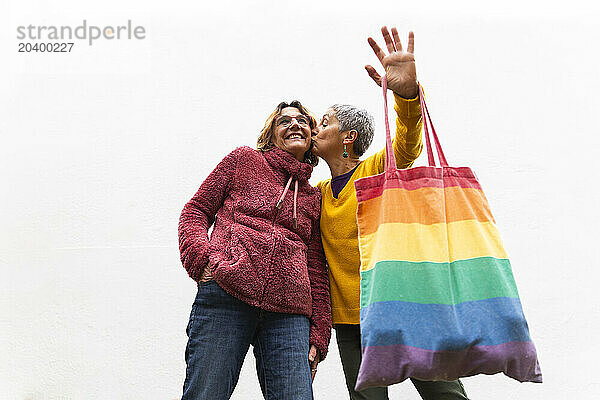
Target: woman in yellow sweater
[(344, 134)]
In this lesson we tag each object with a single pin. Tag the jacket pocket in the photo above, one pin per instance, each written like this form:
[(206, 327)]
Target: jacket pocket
[(243, 269), (290, 276)]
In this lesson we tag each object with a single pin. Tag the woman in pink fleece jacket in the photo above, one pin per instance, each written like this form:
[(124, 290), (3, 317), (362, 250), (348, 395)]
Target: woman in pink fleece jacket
[(262, 277)]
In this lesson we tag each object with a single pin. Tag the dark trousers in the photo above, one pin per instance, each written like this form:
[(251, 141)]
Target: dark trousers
[(348, 340)]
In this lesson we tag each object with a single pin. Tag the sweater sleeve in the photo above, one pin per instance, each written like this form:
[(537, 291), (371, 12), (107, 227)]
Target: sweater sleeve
[(320, 321), (408, 141), (199, 214)]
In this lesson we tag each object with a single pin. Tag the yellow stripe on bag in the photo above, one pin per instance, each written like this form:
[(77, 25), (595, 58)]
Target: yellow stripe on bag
[(459, 240)]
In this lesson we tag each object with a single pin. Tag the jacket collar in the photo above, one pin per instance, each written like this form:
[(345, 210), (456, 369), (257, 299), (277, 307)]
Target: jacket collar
[(282, 160)]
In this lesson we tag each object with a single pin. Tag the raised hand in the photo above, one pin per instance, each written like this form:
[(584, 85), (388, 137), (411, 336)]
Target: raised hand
[(399, 65)]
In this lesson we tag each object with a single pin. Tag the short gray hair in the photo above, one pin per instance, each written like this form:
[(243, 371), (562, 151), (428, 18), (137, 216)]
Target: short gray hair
[(353, 118)]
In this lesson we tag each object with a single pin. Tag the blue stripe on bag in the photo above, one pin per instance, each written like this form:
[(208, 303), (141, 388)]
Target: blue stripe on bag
[(486, 322)]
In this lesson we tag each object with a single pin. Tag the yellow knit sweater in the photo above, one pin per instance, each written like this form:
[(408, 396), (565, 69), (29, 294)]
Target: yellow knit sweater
[(338, 216)]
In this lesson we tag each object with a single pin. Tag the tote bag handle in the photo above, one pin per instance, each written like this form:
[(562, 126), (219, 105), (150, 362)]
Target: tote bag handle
[(390, 159)]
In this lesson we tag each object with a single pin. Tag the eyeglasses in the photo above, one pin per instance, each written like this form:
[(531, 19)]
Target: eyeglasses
[(286, 121)]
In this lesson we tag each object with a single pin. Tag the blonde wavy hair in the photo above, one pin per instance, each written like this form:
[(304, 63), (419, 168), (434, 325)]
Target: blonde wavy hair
[(265, 139)]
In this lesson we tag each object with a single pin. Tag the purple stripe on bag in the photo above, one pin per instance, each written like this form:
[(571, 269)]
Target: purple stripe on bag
[(393, 364)]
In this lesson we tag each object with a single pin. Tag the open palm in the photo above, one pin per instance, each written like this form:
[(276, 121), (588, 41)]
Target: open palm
[(399, 65)]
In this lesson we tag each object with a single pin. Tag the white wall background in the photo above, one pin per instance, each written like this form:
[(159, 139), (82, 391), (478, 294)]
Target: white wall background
[(101, 148)]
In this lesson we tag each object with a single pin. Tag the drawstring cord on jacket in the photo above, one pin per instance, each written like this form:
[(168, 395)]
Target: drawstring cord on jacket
[(280, 202), (295, 197)]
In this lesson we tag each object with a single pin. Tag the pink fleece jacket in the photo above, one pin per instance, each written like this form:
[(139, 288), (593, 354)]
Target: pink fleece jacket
[(258, 252)]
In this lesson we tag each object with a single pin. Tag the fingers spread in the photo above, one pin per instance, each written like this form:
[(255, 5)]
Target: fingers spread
[(388, 39), (376, 49), (396, 38)]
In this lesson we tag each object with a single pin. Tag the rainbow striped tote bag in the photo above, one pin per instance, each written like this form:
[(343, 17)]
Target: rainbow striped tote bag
[(438, 298)]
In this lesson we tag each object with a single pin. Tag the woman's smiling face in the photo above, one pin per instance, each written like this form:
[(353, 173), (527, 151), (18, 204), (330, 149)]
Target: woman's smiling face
[(292, 132)]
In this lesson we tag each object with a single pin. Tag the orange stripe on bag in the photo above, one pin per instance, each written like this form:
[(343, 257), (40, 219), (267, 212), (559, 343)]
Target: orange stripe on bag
[(415, 206)]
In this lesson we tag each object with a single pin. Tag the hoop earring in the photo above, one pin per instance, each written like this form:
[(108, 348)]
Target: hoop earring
[(345, 153)]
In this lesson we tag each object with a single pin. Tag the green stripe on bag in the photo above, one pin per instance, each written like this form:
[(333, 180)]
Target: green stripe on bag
[(427, 282)]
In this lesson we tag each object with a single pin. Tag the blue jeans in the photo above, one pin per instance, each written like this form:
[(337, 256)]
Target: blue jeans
[(220, 331)]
